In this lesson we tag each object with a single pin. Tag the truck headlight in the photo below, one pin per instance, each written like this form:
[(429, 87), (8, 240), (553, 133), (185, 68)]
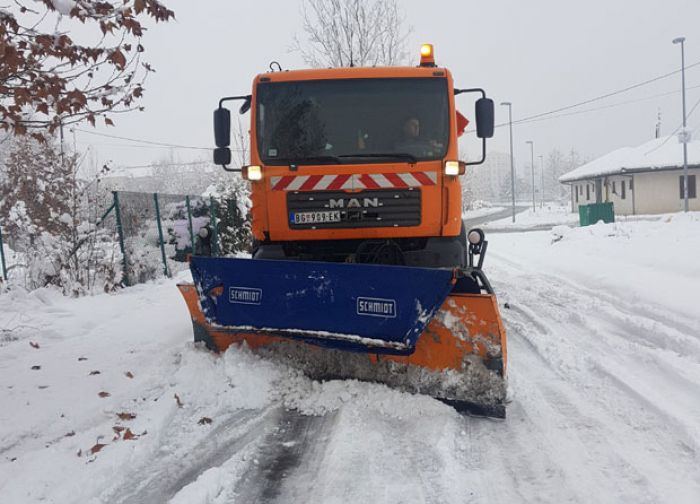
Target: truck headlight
[(253, 172), (454, 168)]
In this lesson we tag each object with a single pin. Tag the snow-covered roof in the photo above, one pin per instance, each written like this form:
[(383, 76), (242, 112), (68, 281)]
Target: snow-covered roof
[(664, 152)]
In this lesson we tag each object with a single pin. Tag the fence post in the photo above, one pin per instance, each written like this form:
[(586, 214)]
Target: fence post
[(120, 231), (214, 228), (160, 236), (189, 220), (2, 257)]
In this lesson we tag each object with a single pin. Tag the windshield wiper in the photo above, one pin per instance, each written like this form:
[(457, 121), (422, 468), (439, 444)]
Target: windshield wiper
[(396, 155), (307, 160)]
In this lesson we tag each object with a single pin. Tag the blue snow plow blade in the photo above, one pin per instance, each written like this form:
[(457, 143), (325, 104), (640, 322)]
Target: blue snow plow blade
[(356, 307)]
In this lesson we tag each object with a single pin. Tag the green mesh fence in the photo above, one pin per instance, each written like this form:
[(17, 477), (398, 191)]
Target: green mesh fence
[(159, 231)]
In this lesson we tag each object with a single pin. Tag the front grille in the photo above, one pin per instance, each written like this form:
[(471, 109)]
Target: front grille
[(370, 208)]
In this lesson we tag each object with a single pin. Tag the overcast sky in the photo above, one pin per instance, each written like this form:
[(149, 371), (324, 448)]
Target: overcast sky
[(539, 54)]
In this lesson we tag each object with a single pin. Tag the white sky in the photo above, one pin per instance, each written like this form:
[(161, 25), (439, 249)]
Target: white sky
[(540, 55)]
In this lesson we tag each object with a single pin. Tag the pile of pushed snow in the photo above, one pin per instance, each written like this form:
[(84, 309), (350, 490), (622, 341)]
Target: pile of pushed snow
[(656, 231), (650, 261), (319, 398)]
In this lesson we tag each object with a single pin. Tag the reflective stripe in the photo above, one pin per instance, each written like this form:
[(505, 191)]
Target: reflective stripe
[(297, 183), (355, 181), (408, 179), (310, 184), (326, 181), (382, 180), (396, 180), (367, 181), (423, 178)]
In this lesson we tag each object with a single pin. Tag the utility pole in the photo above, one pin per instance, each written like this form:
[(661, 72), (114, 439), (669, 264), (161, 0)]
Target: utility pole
[(684, 134), (512, 164), (532, 166), (542, 174)]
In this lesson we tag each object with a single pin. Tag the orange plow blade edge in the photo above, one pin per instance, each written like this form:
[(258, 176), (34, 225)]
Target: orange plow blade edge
[(460, 358)]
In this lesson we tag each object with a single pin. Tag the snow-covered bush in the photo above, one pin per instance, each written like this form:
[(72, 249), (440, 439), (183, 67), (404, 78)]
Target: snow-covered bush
[(48, 214), (232, 197)]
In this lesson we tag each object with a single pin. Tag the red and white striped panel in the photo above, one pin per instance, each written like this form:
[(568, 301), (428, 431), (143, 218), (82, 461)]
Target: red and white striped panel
[(355, 181)]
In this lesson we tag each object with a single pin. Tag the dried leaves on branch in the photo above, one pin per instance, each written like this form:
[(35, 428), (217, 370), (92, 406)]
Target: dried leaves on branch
[(48, 77)]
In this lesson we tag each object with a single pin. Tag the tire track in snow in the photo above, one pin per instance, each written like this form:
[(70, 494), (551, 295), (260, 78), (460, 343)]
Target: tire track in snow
[(427, 461), (550, 449), (162, 475), (287, 460), (679, 323), (577, 388), (602, 346), (556, 446), (625, 329), (411, 459)]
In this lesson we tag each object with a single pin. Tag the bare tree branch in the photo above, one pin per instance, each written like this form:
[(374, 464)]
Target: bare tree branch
[(341, 33)]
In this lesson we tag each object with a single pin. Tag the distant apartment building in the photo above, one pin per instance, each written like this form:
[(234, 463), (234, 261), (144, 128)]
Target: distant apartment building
[(647, 179), (489, 181)]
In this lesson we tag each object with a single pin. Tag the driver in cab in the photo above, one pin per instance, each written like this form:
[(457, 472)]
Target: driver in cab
[(411, 141)]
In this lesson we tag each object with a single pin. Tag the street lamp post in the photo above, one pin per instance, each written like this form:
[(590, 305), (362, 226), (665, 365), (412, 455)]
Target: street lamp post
[(532, 166), (512, 165), (684, 133), (542, 175)]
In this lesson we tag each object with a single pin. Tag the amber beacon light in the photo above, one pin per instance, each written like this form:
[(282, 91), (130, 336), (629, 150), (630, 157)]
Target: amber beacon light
[(427, 56)]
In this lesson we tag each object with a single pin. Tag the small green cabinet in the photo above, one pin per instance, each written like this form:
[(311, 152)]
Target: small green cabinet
[(590, 214)]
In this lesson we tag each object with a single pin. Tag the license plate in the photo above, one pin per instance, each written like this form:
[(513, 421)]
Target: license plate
[(316, 217)]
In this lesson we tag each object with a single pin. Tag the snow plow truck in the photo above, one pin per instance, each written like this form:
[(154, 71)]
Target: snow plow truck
[(362, 267)]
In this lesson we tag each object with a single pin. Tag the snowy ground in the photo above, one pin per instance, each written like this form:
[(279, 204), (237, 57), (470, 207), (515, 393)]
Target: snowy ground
[(481, 212), (604, 367), (551, 214)]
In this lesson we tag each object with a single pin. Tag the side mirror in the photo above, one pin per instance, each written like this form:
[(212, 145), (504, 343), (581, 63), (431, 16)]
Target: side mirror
[(222, 156), (484, 117), (222, 127)]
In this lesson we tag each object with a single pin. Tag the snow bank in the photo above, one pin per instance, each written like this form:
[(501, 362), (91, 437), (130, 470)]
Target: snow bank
[(650, 261)]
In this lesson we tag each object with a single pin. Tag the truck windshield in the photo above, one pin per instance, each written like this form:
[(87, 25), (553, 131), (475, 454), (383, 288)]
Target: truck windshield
[(353, 120)]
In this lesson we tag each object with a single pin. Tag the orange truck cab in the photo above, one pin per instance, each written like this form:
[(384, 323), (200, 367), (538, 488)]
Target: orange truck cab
[(356, 164)]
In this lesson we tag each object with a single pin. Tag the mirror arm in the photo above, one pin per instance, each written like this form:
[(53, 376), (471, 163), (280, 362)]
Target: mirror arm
[(483, 154), (483, 140), (471, 90), (231, 98), (221, 105)]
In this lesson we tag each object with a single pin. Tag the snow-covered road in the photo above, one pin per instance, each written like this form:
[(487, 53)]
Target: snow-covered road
[(605, 405), (606, 397)]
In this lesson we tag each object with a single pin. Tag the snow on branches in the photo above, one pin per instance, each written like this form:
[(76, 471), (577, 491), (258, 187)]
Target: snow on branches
[(48, 216), (48, 78)]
